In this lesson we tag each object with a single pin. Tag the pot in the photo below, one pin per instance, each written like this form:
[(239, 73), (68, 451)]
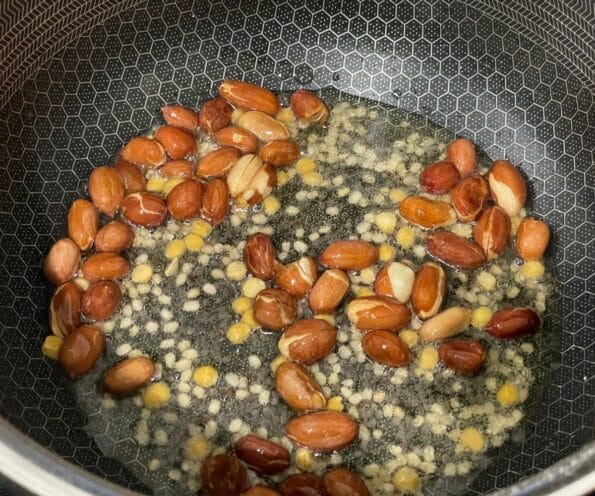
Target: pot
[(81, 78)]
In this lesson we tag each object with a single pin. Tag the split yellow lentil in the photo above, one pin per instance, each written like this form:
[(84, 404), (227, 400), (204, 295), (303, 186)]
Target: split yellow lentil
[(156, 395), (205, 376), (51, 346)]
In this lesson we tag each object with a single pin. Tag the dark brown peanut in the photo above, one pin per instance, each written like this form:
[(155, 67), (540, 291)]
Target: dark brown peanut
[(215, 114), (101, 300), (464, 356), (343, 482), (260, 256), (65, 309), (455, 251), (303, 485), (386, 348), (469, 197), (515, 322), (215, 201), (81, 349), (224, 475), (439, 178), (262, 455), (185, 200)]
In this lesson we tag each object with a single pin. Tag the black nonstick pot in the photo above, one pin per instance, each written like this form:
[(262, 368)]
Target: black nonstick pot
[(80, 78)]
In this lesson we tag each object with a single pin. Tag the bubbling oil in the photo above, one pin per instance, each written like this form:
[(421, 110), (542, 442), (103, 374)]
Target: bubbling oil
[(367, 155)]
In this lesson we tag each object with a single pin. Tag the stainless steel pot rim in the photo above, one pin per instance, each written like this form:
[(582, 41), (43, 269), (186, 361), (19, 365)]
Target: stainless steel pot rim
[(43, 473)]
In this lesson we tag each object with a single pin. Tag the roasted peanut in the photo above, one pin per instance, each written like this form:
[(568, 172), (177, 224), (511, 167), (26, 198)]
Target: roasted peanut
[(297, 278), (446, 324), (81, 350), (343, 482), (262, 455), (515, 322), (65, 309), (395, 280), (508, 187), (378, 312), (128, 376), (461, 153), (106, 189), (176, 115), (386, 348), (177, 168), (224, 475), (439, 178), (83, 220), (144, 209), (144, 151), (274, 309), (260, 256), (323, 432), (455, 251), (302, 485), (239, 138), (349, 254), (308, 341), (428, 291), (308, 108), (185, 200), (464, 356), (250, 181), (215, 114), (469, 197), (532, 239), (218, 162), (114, 236), (263, 126), (101, 300), (215, 201), (427, 213), (62, 261), (260, 490), (178, 142), (133, 177), (298, 388), (280, 152), (249, 96), (491, 231), (104, 265), (328, 291)]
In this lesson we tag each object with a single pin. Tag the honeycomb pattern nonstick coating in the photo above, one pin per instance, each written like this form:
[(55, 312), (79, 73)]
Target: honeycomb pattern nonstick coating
[(454, 62)]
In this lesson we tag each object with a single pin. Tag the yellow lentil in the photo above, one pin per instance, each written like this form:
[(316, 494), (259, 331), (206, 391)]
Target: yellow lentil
[(51, 346), (205, 376)]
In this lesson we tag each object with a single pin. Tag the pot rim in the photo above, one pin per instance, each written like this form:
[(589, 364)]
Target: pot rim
[(42, 472)]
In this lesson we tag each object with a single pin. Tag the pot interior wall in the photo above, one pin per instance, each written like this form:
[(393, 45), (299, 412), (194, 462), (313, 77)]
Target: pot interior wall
[(457, 63)]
